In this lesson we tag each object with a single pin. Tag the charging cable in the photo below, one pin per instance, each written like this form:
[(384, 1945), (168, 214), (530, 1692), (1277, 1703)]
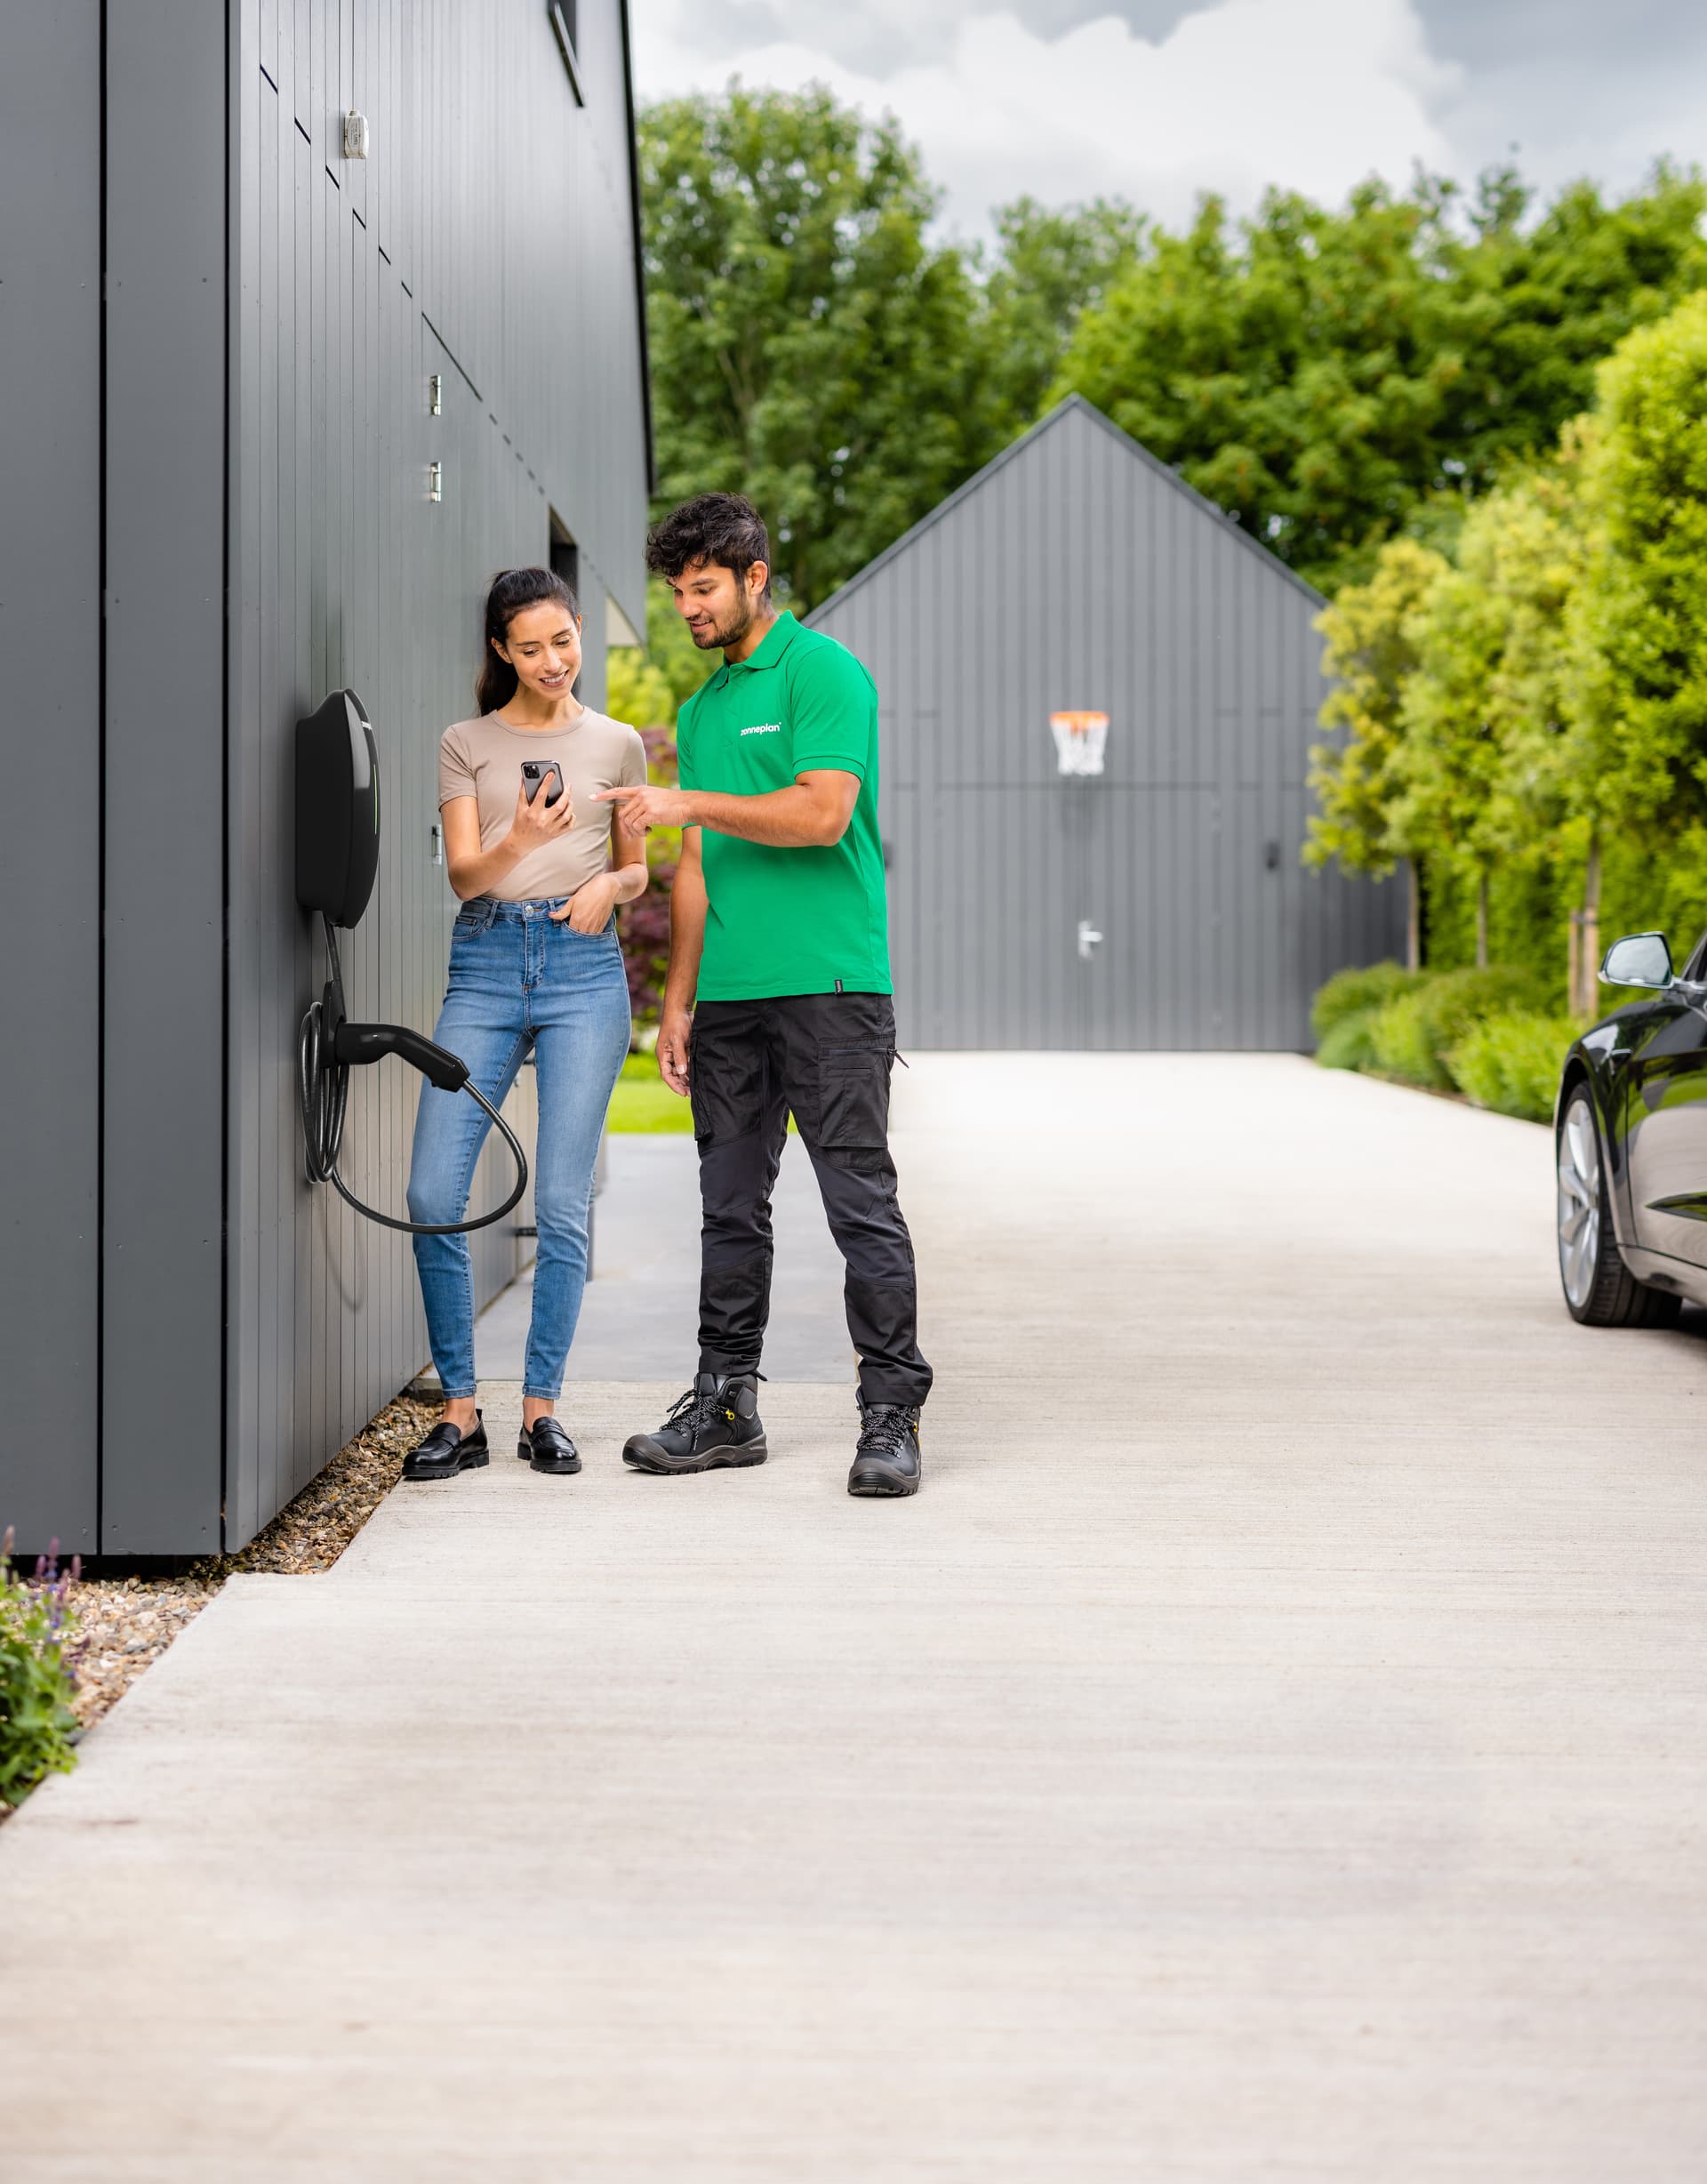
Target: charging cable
[(329, 1046)]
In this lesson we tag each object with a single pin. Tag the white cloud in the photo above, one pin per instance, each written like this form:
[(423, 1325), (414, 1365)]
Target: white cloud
[(1307, 94)]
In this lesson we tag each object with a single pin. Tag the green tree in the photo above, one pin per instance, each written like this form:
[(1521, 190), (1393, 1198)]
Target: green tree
[(1638, 624), (635, 690), (811, 346), (1371, 633), (1642, 628), (1446, 758), (1050, 265), (1553, 298), (1481, 767), (1298, 370), (1330, 378), (655, 681)]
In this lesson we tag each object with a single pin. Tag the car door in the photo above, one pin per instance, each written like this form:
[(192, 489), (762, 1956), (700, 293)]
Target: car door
[(1665, 1124)]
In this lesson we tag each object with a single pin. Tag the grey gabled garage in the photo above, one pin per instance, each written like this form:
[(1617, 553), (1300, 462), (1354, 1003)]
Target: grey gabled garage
[(1159, 902), (313, 316)]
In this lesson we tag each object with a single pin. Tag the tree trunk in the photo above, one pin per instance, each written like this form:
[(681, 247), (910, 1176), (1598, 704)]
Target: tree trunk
[(1589, 952), (1481, 921), (1413, 917), (1573, 958)]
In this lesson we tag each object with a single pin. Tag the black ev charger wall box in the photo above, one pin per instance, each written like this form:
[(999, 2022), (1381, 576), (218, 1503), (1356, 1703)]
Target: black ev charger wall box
[(337, 859), (337, 810)]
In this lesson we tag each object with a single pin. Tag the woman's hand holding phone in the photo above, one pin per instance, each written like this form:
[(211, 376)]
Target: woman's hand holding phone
[(535, 824)]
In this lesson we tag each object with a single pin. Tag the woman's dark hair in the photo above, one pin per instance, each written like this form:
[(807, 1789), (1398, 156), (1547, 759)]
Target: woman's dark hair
[(721, 528), (512, 591)]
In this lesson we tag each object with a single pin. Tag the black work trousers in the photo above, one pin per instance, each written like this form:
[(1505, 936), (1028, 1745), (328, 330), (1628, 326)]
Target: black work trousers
[(825, 1057)]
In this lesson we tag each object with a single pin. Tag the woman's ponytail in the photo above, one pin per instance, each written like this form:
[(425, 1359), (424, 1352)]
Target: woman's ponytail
[(512, 591)]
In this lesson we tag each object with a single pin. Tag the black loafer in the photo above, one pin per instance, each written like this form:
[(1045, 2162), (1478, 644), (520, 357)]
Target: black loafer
[(546, 1447), (447, 1450)]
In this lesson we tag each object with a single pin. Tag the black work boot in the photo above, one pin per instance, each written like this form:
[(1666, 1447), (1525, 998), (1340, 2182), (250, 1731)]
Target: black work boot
[(447, 1450), (716, 1425), (888, 1459), (546, 1447)]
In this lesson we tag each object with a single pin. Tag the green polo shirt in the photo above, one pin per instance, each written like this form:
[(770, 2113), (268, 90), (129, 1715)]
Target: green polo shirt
[(789, 920)]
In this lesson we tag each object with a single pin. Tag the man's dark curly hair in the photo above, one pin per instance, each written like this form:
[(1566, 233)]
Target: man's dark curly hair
[(722, 528)]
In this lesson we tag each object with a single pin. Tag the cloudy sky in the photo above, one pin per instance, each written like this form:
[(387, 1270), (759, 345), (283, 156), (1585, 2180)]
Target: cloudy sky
[(1156, 100)]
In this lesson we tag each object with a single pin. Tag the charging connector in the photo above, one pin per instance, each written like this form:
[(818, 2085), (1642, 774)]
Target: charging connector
[(330, 1047)]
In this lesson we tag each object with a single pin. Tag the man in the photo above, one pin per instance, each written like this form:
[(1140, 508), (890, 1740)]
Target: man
[(779, 929)]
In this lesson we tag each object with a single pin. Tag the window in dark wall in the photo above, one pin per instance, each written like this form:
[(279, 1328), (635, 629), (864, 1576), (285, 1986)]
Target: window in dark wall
[(565, 23), (565, 562), (565, 555)]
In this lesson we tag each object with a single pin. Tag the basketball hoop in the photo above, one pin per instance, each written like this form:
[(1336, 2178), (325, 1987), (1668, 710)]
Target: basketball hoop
[(1079, 741)]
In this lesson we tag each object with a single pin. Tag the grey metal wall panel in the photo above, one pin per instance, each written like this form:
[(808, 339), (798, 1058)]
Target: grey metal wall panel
[(51, 581), (1076, 571), (356, 282), (165, 839)]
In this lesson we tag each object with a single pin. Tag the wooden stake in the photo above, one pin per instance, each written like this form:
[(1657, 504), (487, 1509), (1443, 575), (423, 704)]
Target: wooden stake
[(1589, 959)]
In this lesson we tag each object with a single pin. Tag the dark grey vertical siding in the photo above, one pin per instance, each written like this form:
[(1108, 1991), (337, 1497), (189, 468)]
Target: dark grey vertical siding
[(258, 381), (487, 239), (165, 853), (50, 583), (1075, 572)]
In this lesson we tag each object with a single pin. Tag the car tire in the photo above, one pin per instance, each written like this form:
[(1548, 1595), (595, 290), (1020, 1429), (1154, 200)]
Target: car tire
[(1600, 1289)]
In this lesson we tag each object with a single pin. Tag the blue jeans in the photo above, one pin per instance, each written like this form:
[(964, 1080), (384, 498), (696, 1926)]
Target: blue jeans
[(518, 980)]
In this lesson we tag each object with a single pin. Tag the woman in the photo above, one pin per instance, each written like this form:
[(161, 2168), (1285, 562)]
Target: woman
[(534, 962)]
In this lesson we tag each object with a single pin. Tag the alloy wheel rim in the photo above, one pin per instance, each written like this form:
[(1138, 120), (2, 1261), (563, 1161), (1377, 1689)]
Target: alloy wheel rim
[(1579, 1202)]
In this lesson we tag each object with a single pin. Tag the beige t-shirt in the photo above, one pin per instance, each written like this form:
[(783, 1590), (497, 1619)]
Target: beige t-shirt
[(482, 758)]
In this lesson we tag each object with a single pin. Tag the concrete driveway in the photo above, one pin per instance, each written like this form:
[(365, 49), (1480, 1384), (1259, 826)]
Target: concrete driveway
[(1272, 1746)]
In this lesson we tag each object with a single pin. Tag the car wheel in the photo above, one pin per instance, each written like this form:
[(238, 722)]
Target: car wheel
[(1600, 1289)]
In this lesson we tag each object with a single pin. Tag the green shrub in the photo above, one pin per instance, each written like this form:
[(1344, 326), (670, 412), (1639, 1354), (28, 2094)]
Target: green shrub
[(1413, 1034), (1511, 1064), (37, 1724), (1347, 1044), (1400, 1042), (1351, 993), (1454, 1001)]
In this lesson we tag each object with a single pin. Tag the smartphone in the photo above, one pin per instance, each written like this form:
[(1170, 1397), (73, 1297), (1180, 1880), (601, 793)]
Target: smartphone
[(547, 770)]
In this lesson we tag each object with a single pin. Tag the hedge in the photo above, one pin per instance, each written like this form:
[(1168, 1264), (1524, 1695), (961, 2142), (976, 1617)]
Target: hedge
[(1477, 1031)]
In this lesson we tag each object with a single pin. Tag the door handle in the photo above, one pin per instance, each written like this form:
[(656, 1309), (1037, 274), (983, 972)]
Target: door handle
[(1089, 939)]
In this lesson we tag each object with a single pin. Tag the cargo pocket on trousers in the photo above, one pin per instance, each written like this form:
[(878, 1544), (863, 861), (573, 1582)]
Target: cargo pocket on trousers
[(728, 1083), (853, 1103)]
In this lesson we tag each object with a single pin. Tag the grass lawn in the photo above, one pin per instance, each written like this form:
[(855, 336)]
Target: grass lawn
[(644, 1102)]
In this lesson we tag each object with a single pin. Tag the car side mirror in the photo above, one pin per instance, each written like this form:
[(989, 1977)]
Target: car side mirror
[(1640, 959)]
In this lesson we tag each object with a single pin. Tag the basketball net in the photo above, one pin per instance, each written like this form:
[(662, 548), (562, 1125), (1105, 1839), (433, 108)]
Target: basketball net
[(1079, 741)]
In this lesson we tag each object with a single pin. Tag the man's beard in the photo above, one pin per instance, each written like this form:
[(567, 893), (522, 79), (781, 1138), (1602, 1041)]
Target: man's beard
[(730, 632)]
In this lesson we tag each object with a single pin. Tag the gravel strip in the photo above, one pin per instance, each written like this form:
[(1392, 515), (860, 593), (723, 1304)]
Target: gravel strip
[(126, 1623)]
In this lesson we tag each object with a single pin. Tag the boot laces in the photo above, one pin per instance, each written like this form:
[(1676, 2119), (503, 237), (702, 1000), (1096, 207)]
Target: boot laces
[(886, 1429), (698, 1407)]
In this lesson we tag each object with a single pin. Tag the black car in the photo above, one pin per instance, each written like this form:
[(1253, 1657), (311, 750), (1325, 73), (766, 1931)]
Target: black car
[(1631, 1131)]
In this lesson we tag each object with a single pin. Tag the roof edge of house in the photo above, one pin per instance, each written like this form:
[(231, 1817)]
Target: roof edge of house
[(1015, 447)]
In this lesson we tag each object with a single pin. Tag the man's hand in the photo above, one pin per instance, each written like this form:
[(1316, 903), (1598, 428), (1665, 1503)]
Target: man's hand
[(643, 805), (588, 909), (675, 1034), (812, 813)]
